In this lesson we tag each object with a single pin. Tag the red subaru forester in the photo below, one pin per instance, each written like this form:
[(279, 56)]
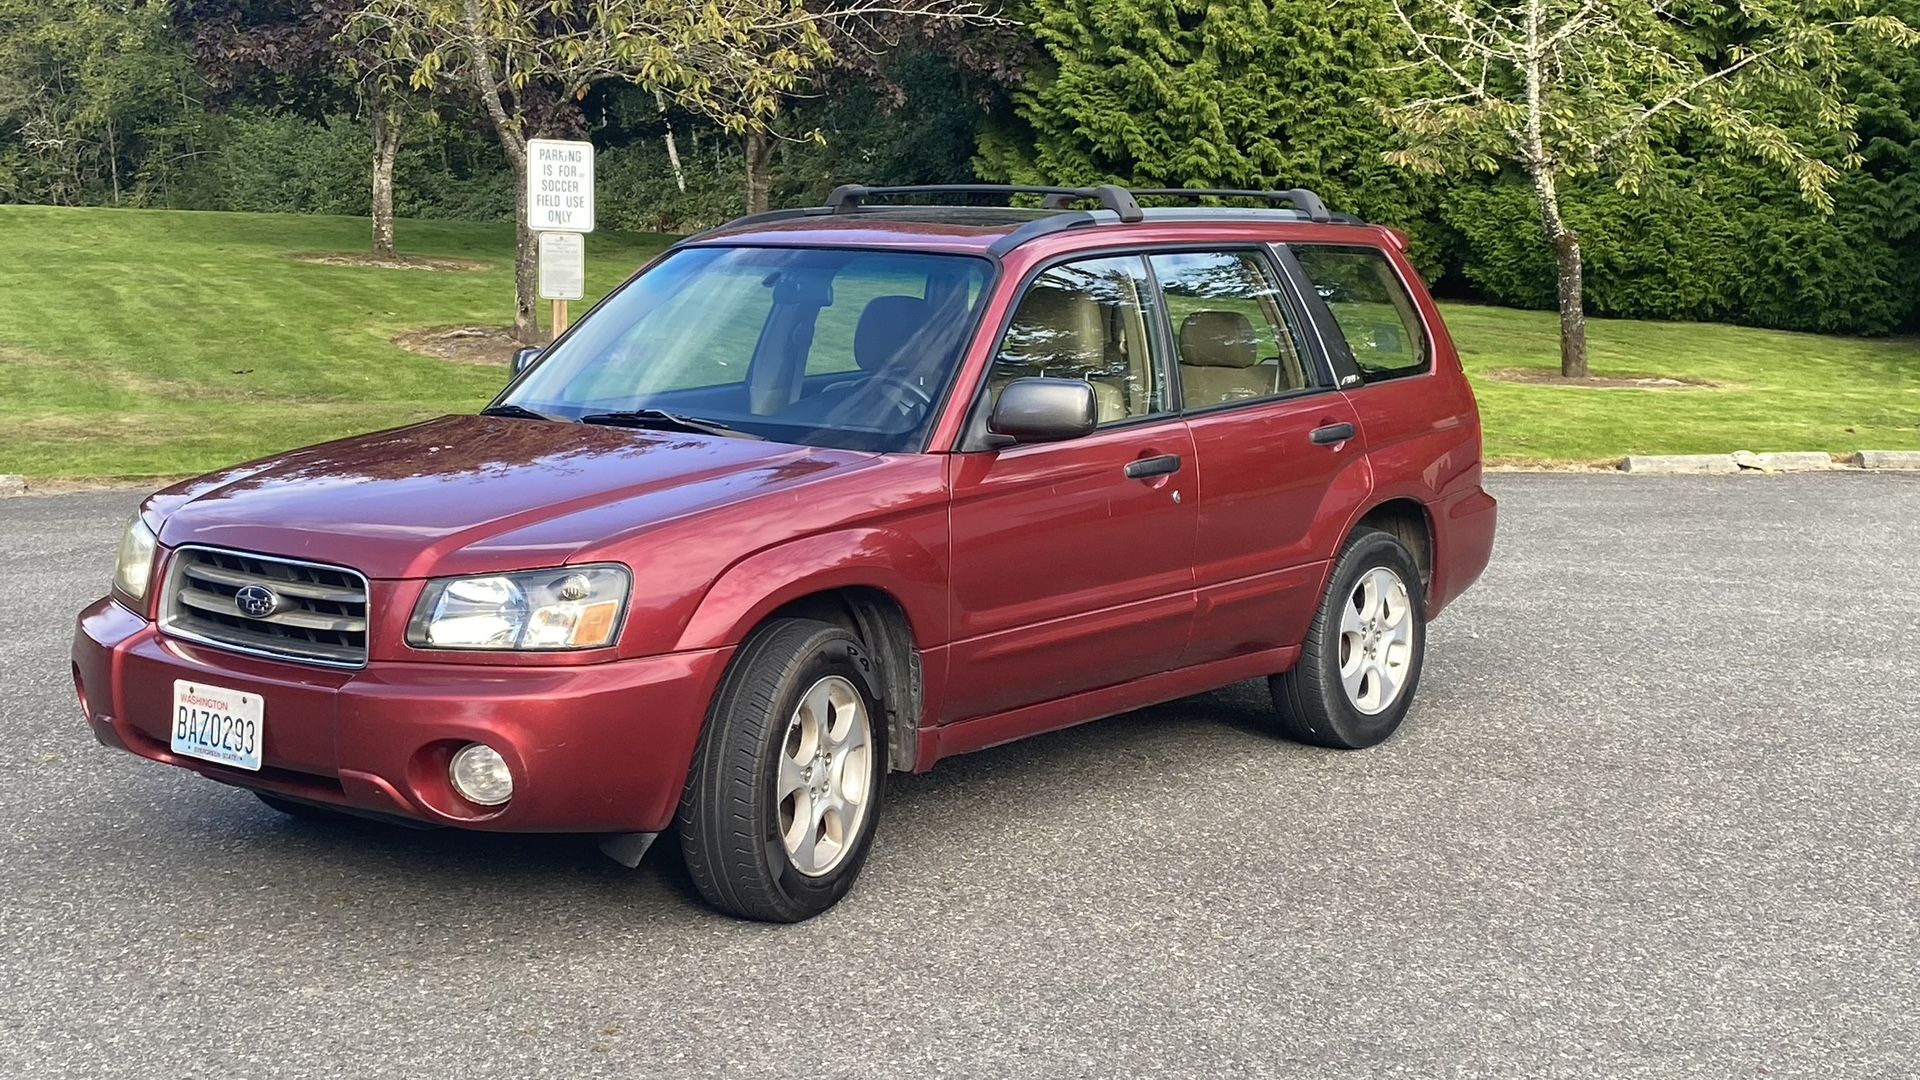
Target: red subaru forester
[(815, 496)]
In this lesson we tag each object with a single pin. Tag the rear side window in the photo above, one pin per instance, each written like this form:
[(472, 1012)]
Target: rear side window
[(1372, 308)]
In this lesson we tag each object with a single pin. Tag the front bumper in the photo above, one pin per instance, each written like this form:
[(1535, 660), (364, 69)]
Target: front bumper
[(593, 748)]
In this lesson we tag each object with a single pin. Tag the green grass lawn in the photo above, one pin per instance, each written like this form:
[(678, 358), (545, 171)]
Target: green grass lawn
[(154, 343), (157, 343)]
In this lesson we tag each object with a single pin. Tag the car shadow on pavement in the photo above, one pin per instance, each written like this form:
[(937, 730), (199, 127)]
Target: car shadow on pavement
[(361, 861)]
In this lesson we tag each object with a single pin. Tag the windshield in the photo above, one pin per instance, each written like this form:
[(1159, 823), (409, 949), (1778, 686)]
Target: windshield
[(817, 346)]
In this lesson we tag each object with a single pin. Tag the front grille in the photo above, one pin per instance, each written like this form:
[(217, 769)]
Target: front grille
[(320, 616)]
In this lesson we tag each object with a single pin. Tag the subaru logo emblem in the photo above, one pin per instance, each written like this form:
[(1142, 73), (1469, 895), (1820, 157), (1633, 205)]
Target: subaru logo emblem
[(256, 601)]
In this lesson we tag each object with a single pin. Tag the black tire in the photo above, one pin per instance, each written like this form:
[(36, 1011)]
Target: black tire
[(1310, 702), (729, 817)]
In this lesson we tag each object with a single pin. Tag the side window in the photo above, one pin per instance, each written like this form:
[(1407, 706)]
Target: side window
[(1236, 337), (1088, 320), (1375, 314)]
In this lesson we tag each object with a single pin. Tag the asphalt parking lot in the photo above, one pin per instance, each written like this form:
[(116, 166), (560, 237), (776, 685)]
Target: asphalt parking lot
[(1656, 813)]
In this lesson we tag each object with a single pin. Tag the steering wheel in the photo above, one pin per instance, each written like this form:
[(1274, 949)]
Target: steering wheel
[(916, 396)]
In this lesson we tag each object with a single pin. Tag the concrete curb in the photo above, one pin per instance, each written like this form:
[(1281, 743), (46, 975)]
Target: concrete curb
[(1885, 459), (1786, 461), (12, 484), (1772, 462), (1679, 464)]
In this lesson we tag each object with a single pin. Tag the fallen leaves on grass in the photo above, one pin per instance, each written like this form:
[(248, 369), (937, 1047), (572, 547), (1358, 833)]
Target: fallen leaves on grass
[(491, 346), (381, 262), (1539, 377)]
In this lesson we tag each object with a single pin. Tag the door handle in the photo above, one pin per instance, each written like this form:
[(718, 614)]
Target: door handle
[(1332, 433), (1164, 465)]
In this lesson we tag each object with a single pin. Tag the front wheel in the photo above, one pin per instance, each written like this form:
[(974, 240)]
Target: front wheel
[(1361, 660), (784, 794)]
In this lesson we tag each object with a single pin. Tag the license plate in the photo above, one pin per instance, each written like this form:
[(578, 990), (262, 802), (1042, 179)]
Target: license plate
[(214, 723)]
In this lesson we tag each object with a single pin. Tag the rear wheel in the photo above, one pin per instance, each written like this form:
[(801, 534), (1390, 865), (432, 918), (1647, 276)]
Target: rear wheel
[(784, 794), (1362, 657)]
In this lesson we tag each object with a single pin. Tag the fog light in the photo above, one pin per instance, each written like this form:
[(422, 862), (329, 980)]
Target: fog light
[(481, 775)]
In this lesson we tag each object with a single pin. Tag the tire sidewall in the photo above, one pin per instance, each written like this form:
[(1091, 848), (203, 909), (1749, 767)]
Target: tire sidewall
[(1366, 551), (839, 655)]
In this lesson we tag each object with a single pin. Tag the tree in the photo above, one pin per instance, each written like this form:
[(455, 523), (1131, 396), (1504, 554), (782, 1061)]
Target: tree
[(237, 43), (728, 60), (1568, 88), (96, 100), (1214, 93), (875, 59)]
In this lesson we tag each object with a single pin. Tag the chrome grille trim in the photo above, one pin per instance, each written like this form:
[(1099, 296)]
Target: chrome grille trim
[(324, 620)]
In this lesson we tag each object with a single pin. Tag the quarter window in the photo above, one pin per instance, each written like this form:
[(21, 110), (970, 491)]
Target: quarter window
[(1234, 335), (1087, 320), (1374, 312)]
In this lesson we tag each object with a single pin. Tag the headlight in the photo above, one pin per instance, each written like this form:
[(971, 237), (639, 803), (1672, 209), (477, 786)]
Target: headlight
[(137, 545), (569, 607)]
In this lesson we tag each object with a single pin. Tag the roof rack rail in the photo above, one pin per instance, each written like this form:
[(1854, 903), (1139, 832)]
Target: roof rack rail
[(1123, 202), (1302, 199), (847, 198)]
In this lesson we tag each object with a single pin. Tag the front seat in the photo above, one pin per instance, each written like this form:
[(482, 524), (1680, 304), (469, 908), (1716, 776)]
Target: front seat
[(1060, 333), (886, 325), (1219, 358)]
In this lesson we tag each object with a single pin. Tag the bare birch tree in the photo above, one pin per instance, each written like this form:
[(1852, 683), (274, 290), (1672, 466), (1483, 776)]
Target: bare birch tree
[(1564, 88)]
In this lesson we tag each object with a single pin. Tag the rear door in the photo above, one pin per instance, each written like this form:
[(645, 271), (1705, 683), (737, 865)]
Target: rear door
[(1072, 562), (1280, 460), (1379, 342)]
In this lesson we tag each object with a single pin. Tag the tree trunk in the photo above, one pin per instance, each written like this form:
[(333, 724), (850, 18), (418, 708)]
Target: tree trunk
[(1573, 315), (673, 148), (113, 159), (1546, 189), (526, 280), (1570, 281), (673, 159), (526, 283), (386, 146), (759, 171)]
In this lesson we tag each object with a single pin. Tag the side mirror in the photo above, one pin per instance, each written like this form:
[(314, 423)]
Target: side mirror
[(1044, 410), (524, 358)]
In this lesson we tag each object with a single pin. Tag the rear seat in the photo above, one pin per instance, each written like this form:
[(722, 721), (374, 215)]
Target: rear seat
[(1219, 360)]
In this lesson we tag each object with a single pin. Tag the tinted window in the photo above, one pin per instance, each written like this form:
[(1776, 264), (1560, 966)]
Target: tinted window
[(1234, 335), (1375, 314), (1088, 320), (819, 346)]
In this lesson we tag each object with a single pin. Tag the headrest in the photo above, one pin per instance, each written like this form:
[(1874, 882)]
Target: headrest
[(886, 324), (1056, 329), (1218, 339)]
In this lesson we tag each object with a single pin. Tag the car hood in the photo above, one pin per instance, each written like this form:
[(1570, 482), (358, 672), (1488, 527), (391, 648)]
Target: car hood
[(477, 494)]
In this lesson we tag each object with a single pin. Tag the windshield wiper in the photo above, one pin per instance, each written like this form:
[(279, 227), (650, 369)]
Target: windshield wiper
[(660, 418), (516, 411)]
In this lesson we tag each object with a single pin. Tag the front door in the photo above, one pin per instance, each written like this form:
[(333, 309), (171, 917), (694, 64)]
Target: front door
[(1072, 562)]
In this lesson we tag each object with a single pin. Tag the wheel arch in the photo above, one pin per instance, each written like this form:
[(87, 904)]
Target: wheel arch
[(886, 590), (1409, 521), (877, 618)]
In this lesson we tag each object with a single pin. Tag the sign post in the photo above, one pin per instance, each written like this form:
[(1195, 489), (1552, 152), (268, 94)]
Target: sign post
[(560, 209), (563, 273)]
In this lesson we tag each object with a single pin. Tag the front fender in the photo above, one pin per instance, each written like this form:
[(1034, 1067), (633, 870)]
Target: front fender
[(886, 559)]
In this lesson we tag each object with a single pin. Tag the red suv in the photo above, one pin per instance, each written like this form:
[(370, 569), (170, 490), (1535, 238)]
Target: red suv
[(820, 495)]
